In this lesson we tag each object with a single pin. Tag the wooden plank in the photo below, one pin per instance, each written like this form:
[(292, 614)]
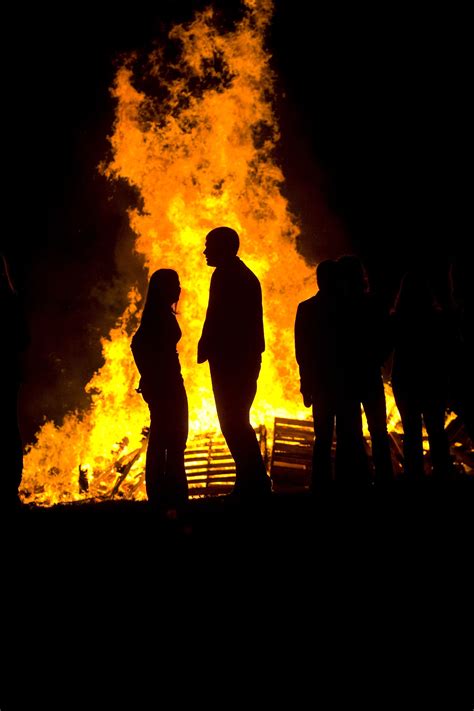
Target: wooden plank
[(206, 465), (294, 425), (209, 475), (282, 466), (296, 463), (210, 468), (292, 454), (284, 449), (294, 436), (293, 430), (292, 421)]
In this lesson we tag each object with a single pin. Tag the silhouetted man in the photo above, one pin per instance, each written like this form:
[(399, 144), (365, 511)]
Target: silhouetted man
[(368, 334), (232, 341), (322, 351), (15, 339), (462, 372), (421, 361)]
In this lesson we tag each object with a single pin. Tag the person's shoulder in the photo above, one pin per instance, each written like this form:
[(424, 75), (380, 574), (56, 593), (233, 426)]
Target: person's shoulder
[(240, 265), (247, 274), (308, 304)]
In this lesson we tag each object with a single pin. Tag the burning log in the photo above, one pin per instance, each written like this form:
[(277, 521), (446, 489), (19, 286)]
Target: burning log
[(83, 480), (461, 446), (291, 459), (210, 468)]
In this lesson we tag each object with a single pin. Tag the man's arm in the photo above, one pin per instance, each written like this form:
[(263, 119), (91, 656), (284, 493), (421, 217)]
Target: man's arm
[(261, 335), (303, 355), (206, 335)]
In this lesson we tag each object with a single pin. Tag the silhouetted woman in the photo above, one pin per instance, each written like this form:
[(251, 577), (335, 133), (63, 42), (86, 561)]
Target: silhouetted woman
[(420, 374), (162, 387), (14, 341)]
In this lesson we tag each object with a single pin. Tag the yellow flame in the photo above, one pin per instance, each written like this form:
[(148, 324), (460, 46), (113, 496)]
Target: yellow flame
[(201, 159)]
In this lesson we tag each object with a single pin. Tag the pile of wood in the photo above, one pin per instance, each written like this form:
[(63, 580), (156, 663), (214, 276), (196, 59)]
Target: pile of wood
[(290, 467), (291, 459), (210, 468)]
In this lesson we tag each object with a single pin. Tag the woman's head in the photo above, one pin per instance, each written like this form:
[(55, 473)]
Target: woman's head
[(163, 290)]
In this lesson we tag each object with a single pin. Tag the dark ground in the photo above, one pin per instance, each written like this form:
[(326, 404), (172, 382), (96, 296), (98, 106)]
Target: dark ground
[(276, 605), (293, 538)]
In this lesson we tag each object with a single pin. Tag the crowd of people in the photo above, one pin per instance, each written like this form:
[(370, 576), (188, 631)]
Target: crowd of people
[(343, 338)]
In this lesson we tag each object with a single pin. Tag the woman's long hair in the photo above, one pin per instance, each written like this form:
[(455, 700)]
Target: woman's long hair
[(157, 299)]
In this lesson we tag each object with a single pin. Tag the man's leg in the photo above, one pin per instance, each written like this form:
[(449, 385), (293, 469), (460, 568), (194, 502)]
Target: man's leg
[(376, 413), (234, 392), (352, 465), (410, 413), (323, 418)]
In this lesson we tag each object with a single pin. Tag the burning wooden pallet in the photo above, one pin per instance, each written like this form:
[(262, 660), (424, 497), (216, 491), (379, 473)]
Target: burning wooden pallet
[(292, 452), (290, 468), (461, 445), (210, 468)]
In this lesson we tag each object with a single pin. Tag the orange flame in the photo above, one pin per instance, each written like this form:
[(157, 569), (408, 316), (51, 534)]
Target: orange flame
[(201, 159)]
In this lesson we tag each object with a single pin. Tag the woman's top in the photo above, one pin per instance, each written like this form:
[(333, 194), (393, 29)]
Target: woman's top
[(154, 350)]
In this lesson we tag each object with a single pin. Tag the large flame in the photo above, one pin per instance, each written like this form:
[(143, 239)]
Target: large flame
[(201, 158)]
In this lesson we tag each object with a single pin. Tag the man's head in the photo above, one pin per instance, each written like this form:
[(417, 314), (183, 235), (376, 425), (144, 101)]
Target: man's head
[(222, 244), (326, 276), (352, 275)]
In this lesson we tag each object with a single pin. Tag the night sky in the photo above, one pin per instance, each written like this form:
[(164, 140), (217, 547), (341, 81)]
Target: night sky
[(376, 149)]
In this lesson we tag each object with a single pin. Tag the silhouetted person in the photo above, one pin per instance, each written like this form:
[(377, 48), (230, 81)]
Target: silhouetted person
[(321, 352), (232, 341), (369, 341), (162, 387), (14, 342), (462, 371), (422, 343)]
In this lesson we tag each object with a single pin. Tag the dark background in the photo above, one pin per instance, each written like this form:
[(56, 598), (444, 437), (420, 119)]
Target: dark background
[(375, 147)]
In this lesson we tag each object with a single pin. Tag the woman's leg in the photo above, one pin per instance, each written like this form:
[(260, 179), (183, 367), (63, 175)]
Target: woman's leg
[(155, 458), (176, 480)]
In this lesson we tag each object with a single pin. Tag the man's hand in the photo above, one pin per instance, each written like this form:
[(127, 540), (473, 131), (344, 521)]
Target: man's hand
[(307, 399)]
